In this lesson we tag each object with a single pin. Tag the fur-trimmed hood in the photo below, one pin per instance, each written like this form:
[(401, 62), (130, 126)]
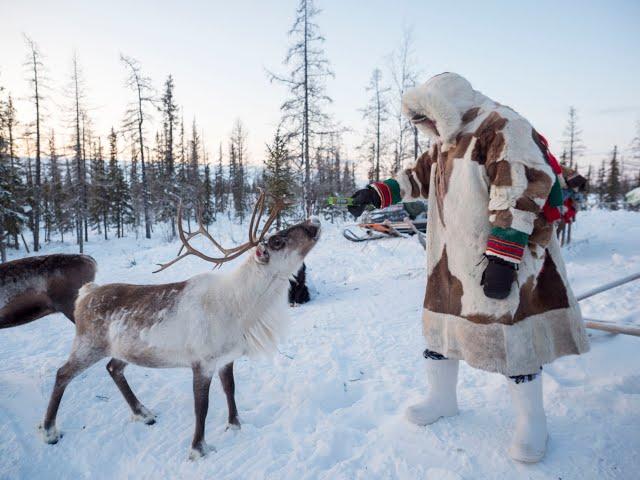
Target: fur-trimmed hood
[(443, 99)]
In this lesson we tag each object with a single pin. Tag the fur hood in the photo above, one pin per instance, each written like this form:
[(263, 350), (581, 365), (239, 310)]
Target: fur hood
[(443, 99)]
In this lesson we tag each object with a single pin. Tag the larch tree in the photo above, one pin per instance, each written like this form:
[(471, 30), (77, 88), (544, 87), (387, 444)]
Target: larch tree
[(376, 114), (135, 116), (303, 112), (76, 92), (35, 70), (573, 140), (403, 76)]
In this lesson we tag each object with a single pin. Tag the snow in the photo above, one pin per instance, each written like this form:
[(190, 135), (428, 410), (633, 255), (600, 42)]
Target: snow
[(331, 403)]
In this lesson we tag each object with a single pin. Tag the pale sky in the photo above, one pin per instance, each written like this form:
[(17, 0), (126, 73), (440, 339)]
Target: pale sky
[(537, 57)]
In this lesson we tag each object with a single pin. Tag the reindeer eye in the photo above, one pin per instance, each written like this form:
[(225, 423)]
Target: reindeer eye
[(276, 243)]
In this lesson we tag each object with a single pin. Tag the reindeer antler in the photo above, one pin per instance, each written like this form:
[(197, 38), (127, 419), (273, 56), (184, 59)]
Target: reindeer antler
[(229, 253)]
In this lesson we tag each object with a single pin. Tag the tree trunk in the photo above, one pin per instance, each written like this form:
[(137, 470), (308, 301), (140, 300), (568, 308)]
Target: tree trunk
[(36, 190)]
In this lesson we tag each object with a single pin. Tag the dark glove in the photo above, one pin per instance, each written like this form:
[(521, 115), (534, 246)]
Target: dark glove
[(577, 182), (498, 277), (362, 198)]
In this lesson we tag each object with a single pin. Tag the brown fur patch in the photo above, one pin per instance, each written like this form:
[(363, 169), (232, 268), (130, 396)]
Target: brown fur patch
[(415, 189), (546, 293), (494, 151), (489, 142), (542, 231), (539, 183), (444, 291), (500, 173), (423, 171), (528, 205), (142, 301), (483, 319), (503, 218), (470, 115), (462, 144)]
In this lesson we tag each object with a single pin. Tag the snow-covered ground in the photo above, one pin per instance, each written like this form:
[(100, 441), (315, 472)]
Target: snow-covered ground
[(331, 404)]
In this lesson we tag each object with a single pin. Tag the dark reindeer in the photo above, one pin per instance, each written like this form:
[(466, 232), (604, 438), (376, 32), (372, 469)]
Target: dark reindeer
[(33, 287), (204, 323)]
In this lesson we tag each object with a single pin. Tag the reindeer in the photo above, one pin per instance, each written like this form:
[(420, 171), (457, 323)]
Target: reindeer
[(203, 323), (33, 287)]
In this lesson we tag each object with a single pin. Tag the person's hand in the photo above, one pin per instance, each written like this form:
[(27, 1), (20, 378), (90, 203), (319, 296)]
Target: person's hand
[(362, 198), (577, 182), (498, 277)]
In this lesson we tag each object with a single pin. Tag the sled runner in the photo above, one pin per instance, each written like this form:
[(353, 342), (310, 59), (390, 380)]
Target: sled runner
[(386, 229)]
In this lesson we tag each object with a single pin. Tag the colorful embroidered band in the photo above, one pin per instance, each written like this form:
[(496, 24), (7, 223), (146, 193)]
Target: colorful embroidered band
[(507, 243), (388, 191)]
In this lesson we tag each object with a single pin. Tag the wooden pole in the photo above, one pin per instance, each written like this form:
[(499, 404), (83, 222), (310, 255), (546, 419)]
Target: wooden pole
[(612, 327)]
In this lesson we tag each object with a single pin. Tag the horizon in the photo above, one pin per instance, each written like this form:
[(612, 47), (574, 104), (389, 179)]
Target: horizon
[(545, 62)]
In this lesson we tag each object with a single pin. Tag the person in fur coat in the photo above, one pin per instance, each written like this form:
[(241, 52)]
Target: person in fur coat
[(497, 293)]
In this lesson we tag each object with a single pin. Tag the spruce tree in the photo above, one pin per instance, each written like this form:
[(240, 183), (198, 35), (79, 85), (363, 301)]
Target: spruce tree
[(206, 201), (219, 187), (278, 178), (169, 123), (613, 188)]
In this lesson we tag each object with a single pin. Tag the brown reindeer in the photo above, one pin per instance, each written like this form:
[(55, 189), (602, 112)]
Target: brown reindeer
[(33, 287), (203, 323)]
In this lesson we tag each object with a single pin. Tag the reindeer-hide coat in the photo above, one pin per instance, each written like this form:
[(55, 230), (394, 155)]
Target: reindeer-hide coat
[(486, 168)]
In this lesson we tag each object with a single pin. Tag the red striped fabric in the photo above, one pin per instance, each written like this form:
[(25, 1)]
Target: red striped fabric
[(503, 248), (384, 192)]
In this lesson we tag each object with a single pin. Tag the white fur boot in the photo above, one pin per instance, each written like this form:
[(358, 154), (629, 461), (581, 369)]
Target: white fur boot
[(529, 442), (442, 400)]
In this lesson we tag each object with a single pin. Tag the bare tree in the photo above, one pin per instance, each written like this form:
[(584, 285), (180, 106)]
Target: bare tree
[(303, 113), (376, 114), (403, 76), (573, 139), (35, 66), (134, 123)]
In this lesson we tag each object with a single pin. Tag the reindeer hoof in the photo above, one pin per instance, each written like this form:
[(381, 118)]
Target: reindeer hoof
[(200, 451), (51, 435), (145, 416), (235, 425)]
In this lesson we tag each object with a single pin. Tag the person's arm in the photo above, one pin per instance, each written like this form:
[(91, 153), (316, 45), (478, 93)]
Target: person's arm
[(409, 184), (516, 196)]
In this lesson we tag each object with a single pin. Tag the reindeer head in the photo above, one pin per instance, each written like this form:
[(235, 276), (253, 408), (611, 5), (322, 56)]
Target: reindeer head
[(283, 251)]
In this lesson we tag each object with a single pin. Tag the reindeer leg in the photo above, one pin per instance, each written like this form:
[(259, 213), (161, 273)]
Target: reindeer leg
[(75, 365), (116, 368), (229, 387), (201, 384)]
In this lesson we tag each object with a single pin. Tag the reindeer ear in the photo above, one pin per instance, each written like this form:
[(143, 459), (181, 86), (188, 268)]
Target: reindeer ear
[(262, 254)]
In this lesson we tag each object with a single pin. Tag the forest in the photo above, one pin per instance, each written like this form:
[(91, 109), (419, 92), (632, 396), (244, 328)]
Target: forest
[(65, 181)]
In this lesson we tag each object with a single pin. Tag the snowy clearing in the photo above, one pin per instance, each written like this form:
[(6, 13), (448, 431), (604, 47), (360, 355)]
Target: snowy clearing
[(331, 405)]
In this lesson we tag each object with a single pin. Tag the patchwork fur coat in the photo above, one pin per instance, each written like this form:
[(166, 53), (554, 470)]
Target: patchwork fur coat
[(487, 179)]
